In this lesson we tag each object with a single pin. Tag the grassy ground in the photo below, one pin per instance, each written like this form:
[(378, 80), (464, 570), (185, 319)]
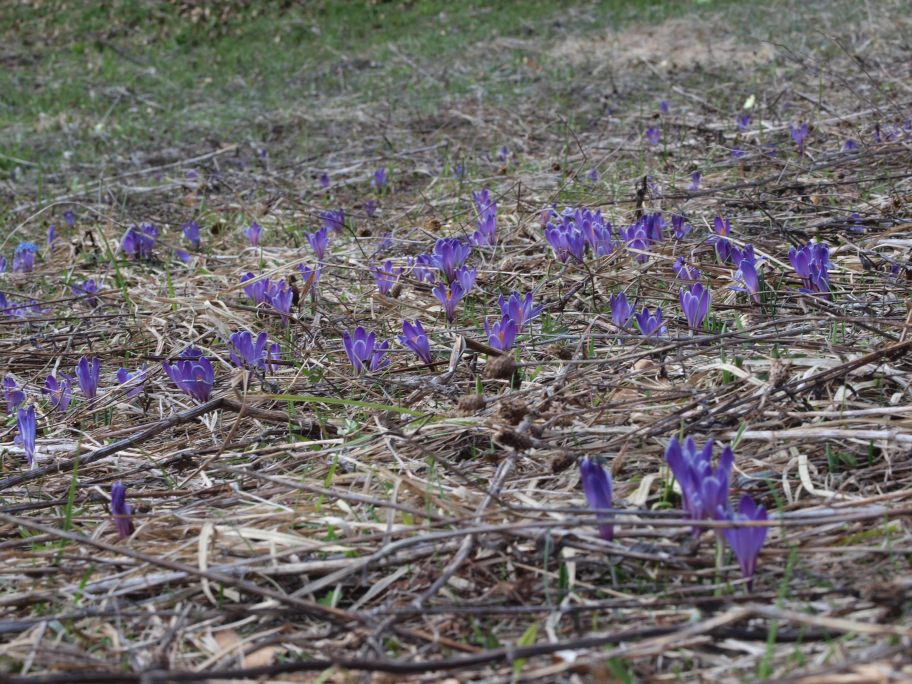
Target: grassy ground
[(425, 522)]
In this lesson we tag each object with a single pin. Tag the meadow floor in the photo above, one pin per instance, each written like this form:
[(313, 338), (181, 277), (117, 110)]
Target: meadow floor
[(426, 522)]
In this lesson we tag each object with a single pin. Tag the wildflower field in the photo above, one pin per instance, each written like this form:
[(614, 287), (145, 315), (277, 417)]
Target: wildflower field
[(443, 342)]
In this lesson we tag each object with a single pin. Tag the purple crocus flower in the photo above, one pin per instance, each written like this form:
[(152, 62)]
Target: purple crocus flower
[(663, 106), (24, 257), (685, 272), (385, 276), (370, 208), (695, 304), (695, 179), (597, 485), (799, 135), (466, 277), (2, 264), (650, 323), (253, 232), (593, 175), (501, 334), (256, 291), (636, 237), (69, 218), (459, 171), (503, 154), (183, 256), (487, 229), (137, 380), (311, 277), (324, 181), (25, 421), (520, 309), (747, 280), (811, 263), (194, 375), (449, 256), (59, 391), (273, 355), (121, 510), (850, 145), (703, 489), (414, 337), (746, 542), (333, 219), (680, 227), (87, 375), (737, 153), (621, 310), (318, 242), (51, 233), (191, 231), (363, 351), (449, 297), (653, 135), (138, 242), (722, 226), (486, 209), (87, 291), (13, 395), (422, 268), (378, 181), (248, 351), (566, 240), (281, 296), (743, 121)]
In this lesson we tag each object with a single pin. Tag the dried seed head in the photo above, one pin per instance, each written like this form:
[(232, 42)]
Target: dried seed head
[(470, 403), (513, 440), (500, 368), (513, 411)]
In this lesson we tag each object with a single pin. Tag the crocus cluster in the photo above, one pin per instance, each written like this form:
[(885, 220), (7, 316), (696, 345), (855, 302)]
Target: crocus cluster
[(519, 309), (695, 304), (650, 323), (276, 293), (572, 231), (704, 490), (811, 263), (363, 351), (193, 373), (87, 372), (253, 352), (486, 209), (138, 242)]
